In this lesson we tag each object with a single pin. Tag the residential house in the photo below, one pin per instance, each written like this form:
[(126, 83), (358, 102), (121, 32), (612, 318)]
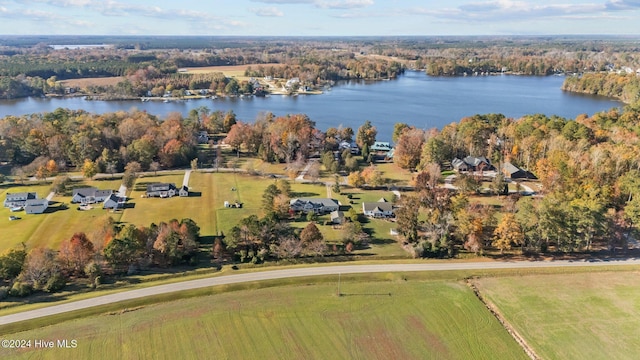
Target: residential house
[(36, 206), (162, 190), (352, 146), (337, 217), (381, 147), (378, 209), (471, 163), (317, 205), (184, 191), (459, 165), (89, 195), (114, 202), (478, 163), (17, 200), (511, 171), (203, 137)]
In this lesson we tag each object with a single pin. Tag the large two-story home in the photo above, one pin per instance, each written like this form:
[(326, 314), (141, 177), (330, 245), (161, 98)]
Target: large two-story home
[(162, 190), (90, 195), (19, 200), (316, 205)]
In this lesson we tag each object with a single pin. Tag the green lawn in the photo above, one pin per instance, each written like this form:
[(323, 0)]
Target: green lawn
[(572, 316), (56, 225), (205, 205), (393, 319)]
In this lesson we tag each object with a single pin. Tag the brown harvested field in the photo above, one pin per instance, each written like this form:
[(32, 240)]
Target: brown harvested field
[(102, 81), (231, 70)]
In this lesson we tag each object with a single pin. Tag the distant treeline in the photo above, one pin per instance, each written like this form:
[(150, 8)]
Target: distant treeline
[(625, 87)]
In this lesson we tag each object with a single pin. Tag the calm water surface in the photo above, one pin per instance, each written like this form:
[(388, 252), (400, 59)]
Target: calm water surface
[(414, 98)]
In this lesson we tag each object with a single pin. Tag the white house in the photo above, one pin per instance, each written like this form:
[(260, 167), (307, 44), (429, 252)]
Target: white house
[(89, 195), (161, 190), (36, 206), (184, 191), (377, 209), (17, 200), (113, 202)]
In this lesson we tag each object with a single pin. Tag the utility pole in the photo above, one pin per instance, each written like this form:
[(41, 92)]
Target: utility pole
[(339, 275)]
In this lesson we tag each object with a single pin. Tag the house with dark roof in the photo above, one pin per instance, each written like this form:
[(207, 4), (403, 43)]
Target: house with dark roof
[(459, 165), (90, 195), (316, 205), (511, 171), (478, 163), (161, 190), (36, 206), (17, 200), (471, 163), (114, 202), (378, 209)]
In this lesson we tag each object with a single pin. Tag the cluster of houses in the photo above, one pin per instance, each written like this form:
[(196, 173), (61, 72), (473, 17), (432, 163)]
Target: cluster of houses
[(91, 195), (380, 149), (379, 209), (27, 201)]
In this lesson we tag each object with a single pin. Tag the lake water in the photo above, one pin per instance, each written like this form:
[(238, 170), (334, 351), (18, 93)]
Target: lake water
[(414, 98)]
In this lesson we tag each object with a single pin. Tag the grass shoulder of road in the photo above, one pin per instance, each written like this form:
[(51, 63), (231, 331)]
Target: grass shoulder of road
[(378, 316)]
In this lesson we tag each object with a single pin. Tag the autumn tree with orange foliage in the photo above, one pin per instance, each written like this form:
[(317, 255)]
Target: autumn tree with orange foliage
[(76, 253)]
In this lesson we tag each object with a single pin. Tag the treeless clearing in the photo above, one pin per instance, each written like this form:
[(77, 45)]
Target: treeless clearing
[(372, 320), (571, 316), (102, 81), (231, 70)]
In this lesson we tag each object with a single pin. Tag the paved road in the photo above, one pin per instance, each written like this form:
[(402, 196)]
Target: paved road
[(292, 273)]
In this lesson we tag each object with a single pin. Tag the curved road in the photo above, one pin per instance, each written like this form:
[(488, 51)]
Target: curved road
[(292, 273)]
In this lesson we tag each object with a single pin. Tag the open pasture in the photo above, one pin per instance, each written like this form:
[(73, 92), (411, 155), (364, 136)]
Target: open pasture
[(571, 316), (205, 205), (372, 320), (57, 224)]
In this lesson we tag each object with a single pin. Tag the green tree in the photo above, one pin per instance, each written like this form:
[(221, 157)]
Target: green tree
[(366, 134), (12, 262)]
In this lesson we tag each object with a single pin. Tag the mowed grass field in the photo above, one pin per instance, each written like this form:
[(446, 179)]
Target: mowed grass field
[(572, 316), (205, 205), (57, 224), (373, 320)]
